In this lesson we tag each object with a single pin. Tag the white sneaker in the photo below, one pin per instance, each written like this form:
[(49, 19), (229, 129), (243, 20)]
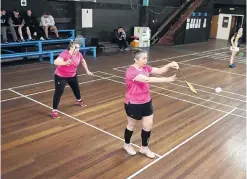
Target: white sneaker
[(129, 149), (146, 151)]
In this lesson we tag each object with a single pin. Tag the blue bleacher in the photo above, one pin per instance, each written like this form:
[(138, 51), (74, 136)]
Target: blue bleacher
[(39, 44)]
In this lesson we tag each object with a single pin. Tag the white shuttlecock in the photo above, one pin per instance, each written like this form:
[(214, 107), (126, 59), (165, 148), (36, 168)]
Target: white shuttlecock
[(218, 90)]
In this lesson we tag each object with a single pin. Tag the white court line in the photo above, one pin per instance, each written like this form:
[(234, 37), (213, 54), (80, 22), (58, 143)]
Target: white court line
[(227, 59), (216, 94), (179, 145), (212, 69), (193, 96), (216, 49), (108, 133), (238, 59), (31, 84), (196, 104), (191, 54), (224, 54), (11, 99), (161, 60), (228, 51), (167, 59), (192, 59), (197, 84), (199, 98), (32, 94)]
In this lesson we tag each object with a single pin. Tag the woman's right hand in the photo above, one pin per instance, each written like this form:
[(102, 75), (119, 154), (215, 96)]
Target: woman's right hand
[(68, 62), (171, 79)]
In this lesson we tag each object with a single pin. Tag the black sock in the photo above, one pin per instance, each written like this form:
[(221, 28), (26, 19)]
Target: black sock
[(145, 137), (127, 135)]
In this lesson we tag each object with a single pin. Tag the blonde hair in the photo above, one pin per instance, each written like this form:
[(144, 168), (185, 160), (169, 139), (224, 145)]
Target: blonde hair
[(71, 44)]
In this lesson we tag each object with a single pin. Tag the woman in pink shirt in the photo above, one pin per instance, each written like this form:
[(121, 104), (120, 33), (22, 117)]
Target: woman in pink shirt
[(67, 64), (138, 102)]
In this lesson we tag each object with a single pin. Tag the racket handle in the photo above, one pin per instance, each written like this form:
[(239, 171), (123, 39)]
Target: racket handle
[(182, 74)]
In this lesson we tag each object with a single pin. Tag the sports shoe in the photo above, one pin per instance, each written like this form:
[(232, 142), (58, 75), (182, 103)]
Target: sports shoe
[(55, 115), (146, 151), (129, 149), (80, 103)]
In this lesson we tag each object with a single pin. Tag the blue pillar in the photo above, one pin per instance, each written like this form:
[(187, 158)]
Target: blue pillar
[(145, 2)]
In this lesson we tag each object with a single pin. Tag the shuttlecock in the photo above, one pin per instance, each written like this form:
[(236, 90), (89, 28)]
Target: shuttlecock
[(218, 90)]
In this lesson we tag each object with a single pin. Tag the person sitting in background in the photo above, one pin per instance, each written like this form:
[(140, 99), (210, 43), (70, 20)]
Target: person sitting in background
[(33, 25), (115, 36), (122, 43), (18, 23), (5, 26), (48, 23)]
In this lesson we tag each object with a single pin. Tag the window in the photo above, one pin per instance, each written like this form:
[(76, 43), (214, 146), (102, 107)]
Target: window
[(225, 22)]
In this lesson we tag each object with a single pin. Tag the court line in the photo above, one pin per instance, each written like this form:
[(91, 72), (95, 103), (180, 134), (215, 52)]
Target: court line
[(191, 54), (42, 104), (194, 96), (31, 84), (161, 59), (208, 56), (199, 98), (216, 49), (227, 59), (196, 104), (212, 69), (193, 59), (182, 62), (201, 90), (226, 55), (9, 99), (179, 145), (168, 59), (228, 51), (225, 52), (32, 94)]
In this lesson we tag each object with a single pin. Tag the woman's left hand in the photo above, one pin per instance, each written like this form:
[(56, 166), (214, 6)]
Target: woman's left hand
[(89, 73)]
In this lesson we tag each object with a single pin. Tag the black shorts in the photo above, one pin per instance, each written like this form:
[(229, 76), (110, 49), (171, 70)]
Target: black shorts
[(138, 111)]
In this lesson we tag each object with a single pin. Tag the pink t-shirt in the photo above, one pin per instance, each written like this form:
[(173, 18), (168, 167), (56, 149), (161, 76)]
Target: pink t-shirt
[(137, 92), (69, 71)]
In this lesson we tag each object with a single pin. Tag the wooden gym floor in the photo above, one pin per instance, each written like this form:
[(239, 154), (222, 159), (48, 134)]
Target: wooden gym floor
[(194, 136)]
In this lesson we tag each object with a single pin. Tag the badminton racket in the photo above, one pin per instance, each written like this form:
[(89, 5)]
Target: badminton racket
[(188, 84)]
